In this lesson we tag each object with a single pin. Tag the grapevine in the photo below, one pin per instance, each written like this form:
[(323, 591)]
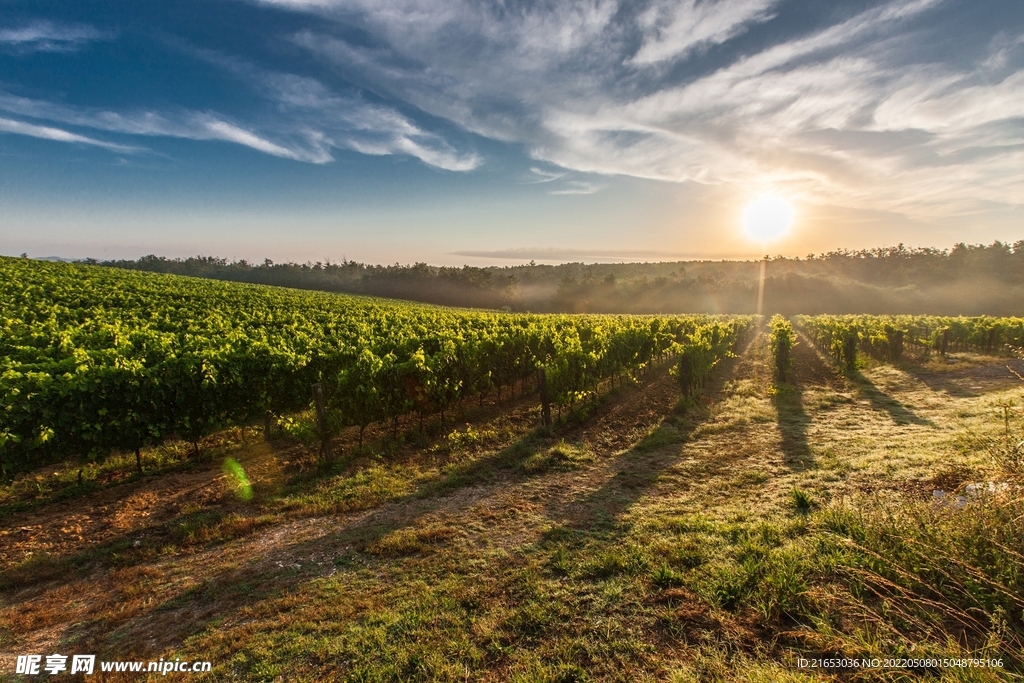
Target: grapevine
[(95, 360)]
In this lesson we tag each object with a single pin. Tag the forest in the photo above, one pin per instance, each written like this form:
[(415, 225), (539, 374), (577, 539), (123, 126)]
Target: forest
[(963, 280)]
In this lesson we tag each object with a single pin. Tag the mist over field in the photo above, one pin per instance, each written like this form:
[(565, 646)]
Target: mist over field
[(964, 280)]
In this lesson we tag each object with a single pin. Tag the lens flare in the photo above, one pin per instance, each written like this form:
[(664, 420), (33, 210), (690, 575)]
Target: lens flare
[(767, 218), (243, 489)]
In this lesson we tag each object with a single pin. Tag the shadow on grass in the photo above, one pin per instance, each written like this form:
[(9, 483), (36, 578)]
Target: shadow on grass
[(880, 401), (106, 480), (219, 523), (220, 589), (793, 421), (640, 468), (206, 528), (971, 381)]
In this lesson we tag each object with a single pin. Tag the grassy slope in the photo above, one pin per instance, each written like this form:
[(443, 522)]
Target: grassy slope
[(617, 548)]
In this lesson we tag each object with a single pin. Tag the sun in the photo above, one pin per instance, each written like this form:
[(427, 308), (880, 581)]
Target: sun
[(767, 218)]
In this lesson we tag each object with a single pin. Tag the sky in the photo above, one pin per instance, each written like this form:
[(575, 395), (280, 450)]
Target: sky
[(500, 131)]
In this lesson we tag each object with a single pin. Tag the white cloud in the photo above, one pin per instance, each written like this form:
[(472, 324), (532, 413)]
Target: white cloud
[(185, 124), (562, 182), (440, 158), (305, 120), (357, 124), (950, 103), (351, 124), (337, 121), (57, 135), (578, 187), (45, 36), (222, 130), (542, 176), (674, 29), (847, 113)]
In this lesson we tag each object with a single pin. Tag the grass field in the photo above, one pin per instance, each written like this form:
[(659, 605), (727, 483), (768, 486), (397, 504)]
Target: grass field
[(644, 540)]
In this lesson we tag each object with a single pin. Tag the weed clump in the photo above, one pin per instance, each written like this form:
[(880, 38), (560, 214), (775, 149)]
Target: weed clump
[(616, 561), (665, 576), (801, 500), (561, 456), (939, 579), (1007, 452), (459, 441)]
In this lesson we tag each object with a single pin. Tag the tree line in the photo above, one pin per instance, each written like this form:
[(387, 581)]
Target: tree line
[(963, 280)]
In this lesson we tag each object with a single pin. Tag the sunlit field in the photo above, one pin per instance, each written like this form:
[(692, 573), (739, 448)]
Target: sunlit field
[(798, 497), (394, 341)]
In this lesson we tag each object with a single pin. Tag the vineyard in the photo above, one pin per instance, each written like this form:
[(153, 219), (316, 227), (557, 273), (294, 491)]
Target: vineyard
[(888, 337), (538, 497), (96, 360)]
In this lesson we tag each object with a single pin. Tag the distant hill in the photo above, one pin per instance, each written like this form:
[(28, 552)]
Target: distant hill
[(966, 279)]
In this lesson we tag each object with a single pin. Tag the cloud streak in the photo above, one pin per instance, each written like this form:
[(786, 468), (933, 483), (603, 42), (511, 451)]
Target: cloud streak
[(625, 88), (674, 29), (577, 187), (565, 254), (58, 135), (344, 122), (302, 119), (45, 36), (315, 123), (188, 125)]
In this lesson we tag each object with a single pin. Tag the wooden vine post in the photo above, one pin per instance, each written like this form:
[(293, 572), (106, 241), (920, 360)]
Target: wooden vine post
[(321, 421), (545, 402)]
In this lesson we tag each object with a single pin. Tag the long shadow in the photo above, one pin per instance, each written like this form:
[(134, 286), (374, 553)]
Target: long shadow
[(274, 573), (811, 364), (793, 421), (940, 382), (640, 467), (638, 470), (125, 549), (979, 379), (882, 402), (809, 369), (280, 571)]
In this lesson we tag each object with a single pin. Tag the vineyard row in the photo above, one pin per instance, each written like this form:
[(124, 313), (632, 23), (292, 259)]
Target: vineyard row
[(887, 338), (95, 360)]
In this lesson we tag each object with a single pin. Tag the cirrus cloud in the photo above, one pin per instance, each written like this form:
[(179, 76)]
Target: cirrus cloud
[(856, 109), (46, 36)]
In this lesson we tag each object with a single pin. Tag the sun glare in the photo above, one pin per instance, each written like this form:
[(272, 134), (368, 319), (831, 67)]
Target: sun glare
[(767, 218)]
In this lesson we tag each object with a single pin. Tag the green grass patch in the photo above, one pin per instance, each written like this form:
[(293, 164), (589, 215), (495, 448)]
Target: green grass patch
[(367, 487), (561, 456), (664, 435)]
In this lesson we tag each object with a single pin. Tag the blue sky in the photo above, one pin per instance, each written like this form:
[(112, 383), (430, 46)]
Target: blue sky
[(495, 132)]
